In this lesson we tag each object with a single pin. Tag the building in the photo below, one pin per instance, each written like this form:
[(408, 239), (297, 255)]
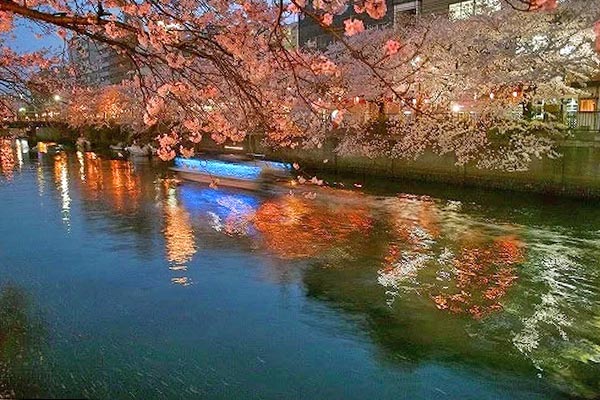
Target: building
[(310, 34), (97, 63), (291, 32)]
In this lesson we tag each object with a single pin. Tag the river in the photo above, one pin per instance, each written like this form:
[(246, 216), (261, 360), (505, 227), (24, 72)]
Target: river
[(118, 281)]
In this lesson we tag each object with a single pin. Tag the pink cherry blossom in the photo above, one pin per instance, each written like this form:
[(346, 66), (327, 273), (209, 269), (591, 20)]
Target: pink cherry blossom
[(294, 9), (391, 47), (5, 22), (359, 9), (325, 66), (353, 26), (597, 32), (327, 19), (166, 154), (187, 153), (545, 5), (376, 8)]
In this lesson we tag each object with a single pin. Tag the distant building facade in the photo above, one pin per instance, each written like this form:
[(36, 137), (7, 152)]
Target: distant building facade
[(97, 63), (310, 34), (291, 32)]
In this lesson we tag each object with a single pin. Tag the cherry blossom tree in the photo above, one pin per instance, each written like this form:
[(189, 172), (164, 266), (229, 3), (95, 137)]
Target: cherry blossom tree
[(223, 68), (456, 91)]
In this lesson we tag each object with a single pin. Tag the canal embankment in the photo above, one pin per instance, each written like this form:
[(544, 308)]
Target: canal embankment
[(575, 173)]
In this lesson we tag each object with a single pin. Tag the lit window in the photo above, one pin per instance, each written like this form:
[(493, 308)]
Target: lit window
[(466, 9), (587, 105)]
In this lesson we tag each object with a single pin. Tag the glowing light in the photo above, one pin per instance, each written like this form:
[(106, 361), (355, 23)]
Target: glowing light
[(179, 234), (81, 166), (41, 179), (22, 109), (57, 97), (416, 61), (456, 107), (492, 95), (293, 227), (239, 148), (61, 177), (7, 158), (515, 94), (19, 153), (125, 185), (24, 145), (217, 168), (218, 201)]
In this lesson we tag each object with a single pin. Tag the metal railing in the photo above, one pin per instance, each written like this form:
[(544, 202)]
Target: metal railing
[(584, 121)]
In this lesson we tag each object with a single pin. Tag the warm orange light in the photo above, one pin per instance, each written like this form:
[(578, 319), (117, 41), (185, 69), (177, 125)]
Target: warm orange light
[(295, 227), (179, 236), (7, 158)]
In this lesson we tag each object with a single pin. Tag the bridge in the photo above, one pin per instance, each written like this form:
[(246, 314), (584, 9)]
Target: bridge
[(27, 126)]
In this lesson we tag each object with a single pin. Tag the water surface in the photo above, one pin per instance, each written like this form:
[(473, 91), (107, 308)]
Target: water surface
[(116, 281)]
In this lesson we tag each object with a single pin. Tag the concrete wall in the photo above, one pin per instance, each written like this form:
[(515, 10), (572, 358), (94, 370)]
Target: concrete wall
[(576, 173)]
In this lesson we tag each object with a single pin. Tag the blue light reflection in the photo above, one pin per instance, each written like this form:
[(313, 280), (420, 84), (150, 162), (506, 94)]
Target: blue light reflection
[(221, 202)]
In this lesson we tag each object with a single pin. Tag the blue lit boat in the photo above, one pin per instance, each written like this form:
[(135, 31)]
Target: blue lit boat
[(243, 174)]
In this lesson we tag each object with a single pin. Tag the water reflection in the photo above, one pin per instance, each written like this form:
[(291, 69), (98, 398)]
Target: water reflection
[(466, 270), (125, 185), (293, 227), (21, 339), (7, 158), (427, 279), (114, 181), (226, 212), (178, 234), (559, 333), (61, 178), (482, 278)]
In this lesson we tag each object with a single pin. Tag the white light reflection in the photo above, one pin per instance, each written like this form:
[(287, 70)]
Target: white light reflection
[(61, 176), (81, 160)]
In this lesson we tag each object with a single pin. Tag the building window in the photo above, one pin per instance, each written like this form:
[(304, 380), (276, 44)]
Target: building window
[(588, 105), (466, 9)]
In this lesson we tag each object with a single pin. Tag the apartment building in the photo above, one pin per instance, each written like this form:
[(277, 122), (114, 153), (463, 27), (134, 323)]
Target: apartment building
[(310, 34), (97, 63)]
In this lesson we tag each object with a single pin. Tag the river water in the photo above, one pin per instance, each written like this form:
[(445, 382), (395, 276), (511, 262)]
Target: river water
[(118, 281)]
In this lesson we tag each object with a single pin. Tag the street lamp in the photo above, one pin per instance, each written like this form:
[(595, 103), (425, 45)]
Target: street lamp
[(57, 98)]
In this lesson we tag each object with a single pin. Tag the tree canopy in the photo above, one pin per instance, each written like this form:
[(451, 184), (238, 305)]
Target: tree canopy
[(225, 68)]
